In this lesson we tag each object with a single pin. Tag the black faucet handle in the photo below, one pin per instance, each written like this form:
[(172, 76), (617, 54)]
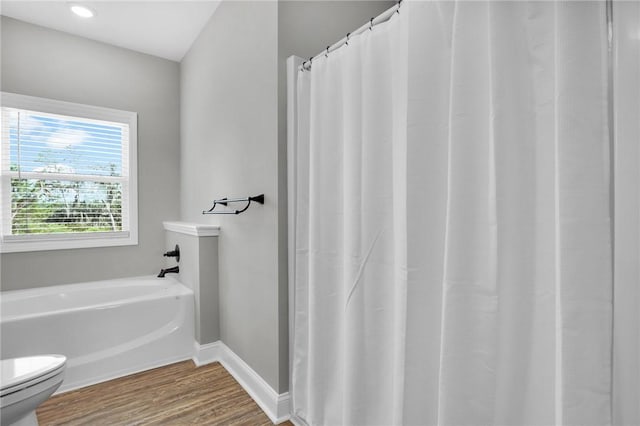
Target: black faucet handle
[(174, 253)]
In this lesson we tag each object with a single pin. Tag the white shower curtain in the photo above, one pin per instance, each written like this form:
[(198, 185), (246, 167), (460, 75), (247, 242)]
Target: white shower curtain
[(453, 250)]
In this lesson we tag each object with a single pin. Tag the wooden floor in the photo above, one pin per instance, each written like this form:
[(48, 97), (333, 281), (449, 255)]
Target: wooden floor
[(178, 394)]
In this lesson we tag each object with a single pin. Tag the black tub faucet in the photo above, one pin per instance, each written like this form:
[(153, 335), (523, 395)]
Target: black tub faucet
[(174, 270)]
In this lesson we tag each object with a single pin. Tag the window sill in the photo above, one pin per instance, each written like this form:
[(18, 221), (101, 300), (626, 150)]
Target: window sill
[(65, 242)]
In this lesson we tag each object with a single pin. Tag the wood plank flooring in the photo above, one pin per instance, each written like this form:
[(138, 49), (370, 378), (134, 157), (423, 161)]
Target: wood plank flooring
[(178, 394)]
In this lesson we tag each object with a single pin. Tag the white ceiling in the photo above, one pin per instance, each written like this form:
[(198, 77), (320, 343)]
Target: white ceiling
[(160, 28)]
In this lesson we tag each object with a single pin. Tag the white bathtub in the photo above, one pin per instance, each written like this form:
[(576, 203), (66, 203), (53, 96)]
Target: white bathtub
[(106, 329)]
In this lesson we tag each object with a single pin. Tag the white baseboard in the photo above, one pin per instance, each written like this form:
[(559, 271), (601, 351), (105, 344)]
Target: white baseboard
[(206, 354), (275, 406), (297, 421)]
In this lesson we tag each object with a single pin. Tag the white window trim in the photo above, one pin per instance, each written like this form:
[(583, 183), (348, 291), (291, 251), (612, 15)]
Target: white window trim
[(16, 243)]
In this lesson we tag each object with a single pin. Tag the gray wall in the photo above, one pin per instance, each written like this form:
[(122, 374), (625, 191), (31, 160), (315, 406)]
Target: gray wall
[(199, 271), (229, 148), (41, 62)]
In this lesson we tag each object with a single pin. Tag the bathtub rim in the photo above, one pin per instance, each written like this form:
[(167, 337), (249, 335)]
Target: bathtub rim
[(178, 289)]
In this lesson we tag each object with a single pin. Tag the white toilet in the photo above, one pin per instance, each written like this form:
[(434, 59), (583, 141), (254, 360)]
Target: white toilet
[(26, 383)]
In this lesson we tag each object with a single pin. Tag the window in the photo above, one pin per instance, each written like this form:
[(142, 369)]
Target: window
[(67, 175)]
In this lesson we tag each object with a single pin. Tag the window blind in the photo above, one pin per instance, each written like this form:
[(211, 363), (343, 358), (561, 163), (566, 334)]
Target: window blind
[(63, 175)]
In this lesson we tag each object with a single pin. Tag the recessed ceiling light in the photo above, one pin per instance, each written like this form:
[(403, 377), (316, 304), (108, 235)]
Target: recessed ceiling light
[(82, 11)]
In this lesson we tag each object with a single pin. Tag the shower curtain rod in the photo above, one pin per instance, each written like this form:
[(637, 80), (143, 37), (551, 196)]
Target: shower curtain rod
[(383, 17)]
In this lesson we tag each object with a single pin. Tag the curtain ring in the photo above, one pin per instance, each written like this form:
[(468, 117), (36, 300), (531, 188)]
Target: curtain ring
[(303, 67), (347, 42), (326, 55), (398, 9), (371, 25)]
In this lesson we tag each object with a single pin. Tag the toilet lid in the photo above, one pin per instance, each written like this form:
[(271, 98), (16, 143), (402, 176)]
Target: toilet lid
[(17, 371)]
